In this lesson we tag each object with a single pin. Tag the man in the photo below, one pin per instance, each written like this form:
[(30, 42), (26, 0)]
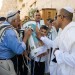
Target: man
[(65, 55), (52, 34), (38, 19), (53, 28), (10, 45), (20, 61), (65, 46)]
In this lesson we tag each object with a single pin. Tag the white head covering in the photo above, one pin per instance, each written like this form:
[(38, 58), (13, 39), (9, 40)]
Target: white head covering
[(11, 15), (70, 9), (11, 12)]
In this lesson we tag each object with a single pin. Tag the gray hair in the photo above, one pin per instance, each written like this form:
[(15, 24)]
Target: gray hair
[(11, 15)]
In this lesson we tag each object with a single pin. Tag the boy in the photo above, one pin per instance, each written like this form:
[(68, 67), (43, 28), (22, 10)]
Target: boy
[(39, 63)]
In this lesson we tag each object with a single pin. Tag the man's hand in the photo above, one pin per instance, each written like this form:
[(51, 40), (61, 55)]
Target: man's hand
[(55, 50), (28, 32), (26, 55)]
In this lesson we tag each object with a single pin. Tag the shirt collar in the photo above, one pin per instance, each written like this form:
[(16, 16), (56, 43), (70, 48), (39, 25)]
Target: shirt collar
[(5, 23)]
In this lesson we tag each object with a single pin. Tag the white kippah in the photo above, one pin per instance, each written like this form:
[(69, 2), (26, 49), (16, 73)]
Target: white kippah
[(11, 12), (70, 9)]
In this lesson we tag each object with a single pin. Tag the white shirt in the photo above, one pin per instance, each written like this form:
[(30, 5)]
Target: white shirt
[(65, 56)]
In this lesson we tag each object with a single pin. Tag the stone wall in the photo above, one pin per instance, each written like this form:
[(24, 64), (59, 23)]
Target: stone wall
[(46, 4), (7, 6)]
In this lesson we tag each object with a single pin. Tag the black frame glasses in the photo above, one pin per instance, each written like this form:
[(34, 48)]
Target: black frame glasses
[(55, 18)]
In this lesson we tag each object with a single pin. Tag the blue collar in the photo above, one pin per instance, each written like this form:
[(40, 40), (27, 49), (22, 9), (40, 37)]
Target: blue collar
[(5, 23)]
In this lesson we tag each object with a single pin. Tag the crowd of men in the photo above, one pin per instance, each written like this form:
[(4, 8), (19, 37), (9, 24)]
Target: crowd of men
[(56, 37)]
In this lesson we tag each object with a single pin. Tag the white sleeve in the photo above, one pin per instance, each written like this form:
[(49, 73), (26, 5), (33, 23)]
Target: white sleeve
[(65, 57), (47, 42)]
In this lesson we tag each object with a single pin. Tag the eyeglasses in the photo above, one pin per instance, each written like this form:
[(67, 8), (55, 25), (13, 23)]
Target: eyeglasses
[(55, 18), (58, 15)]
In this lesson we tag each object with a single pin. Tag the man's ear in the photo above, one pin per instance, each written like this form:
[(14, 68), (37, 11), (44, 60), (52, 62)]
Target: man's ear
[(13, 21)]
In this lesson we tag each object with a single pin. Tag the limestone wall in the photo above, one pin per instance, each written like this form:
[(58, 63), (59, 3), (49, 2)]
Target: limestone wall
[(7, 6)]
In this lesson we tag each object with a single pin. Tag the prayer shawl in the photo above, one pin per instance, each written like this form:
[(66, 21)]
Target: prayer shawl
[(35, 45), (3, 28)]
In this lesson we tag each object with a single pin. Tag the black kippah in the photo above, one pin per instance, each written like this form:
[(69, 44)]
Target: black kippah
[(2, 18)]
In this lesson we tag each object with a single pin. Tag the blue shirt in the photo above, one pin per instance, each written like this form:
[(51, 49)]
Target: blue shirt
[(10, 45), (5, 23)]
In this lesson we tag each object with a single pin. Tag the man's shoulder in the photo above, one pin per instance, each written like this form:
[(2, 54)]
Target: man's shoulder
[(4, 28), (5, 23), (10, 31)]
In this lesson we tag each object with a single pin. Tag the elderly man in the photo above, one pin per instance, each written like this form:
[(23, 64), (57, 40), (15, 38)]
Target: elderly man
[(52, 34), (10, 45), (65, 43), (51, 66)]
